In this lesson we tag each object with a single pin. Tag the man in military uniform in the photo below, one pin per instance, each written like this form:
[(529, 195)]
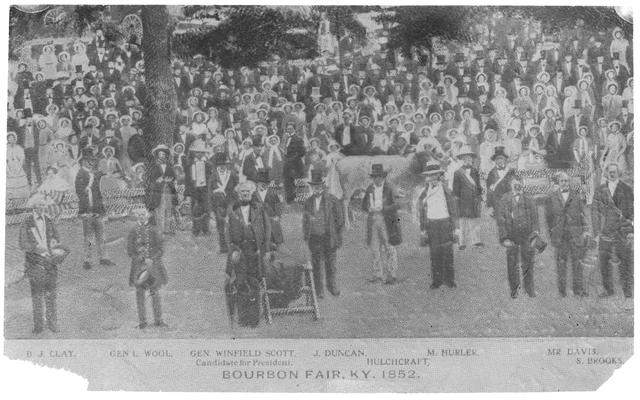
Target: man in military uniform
[(322, 223)]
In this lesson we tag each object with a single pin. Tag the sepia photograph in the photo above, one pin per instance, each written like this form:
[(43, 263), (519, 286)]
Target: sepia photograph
[(221, 172)]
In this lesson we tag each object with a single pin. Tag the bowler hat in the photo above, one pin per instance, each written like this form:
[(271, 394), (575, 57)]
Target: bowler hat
[(377, 170), (440, 59), (499, 152), (316, 177)]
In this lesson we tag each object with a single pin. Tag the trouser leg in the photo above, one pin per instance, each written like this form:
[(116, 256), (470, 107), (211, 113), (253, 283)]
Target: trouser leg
[(89, 235), (447, 264), (626, 268), (289, 188), (26, 165), (36, 300), (527, 256), (436, 264), (330, 269), (157, 308), (605, 268), (317, 262), (140, 303), (375, 248), (465, 229), (577, 270), (99, 230), (220, 221), (50, 294), (513, 273), (474, 231), (392, 263), (561, 266)]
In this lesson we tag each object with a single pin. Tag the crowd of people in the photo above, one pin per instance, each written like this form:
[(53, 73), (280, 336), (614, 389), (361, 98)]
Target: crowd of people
[(518, 100)]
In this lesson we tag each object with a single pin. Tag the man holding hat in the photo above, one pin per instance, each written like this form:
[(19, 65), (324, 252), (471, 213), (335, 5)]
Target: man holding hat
[(322, 223), (383, 226), (197, 176), (91, 208), (518, 227), (438, 216), (223, 184), (498, 180), (468, 194), (145, 248), (43, 252)]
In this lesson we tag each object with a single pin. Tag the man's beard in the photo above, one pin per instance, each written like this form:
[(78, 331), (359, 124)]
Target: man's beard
[(245, 202)]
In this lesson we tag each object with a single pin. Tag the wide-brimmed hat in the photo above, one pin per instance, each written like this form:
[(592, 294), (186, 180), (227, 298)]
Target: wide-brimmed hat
[(175, 147), (614, 122), (465, 150), (317, 178), (499, 152), (377, 170), (95, 121), (201, 113), (160, 147), (431, 168), (105, 148), (39, 200)]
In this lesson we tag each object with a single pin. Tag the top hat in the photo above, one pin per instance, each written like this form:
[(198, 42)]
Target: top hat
[(625, 103), (440, 59), (432, 167), (256, 141), (316, 177), (78, 68), (263, 176), (459, 57), (377, 170), (577, 104), (616, 56), (465, 150), (499, 152), (221, 158)]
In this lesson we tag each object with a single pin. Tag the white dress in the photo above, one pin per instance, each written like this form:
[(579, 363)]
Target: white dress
[(333, 177), (17, 185)]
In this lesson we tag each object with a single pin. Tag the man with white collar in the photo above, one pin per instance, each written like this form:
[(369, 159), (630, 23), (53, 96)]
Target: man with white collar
[(468, 194), (383, 226), (268, 197), (39, 240), (612, 220), (498, 180), (438, 216), (223, 184), (568, 230), (197, 176)]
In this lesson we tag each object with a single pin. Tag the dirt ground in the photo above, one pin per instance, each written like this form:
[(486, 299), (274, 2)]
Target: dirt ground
[(99, 304)]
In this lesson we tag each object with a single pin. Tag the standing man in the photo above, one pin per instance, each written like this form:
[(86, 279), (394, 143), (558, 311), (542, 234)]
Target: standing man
[(39, 239), (517, 218), (293, 163), (223, 185), (383, 226), (197, 176), (438, 216), (567, 224), (248, 233), (31, 145), (322, 223), (612, 216), (253, 162), (163, 197), (91, 209), (345, 135), (498, 180), (468, 194), (144, 247), (268, 197)]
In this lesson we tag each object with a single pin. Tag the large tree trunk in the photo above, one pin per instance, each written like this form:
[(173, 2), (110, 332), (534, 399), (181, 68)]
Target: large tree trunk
[(160, 100)]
